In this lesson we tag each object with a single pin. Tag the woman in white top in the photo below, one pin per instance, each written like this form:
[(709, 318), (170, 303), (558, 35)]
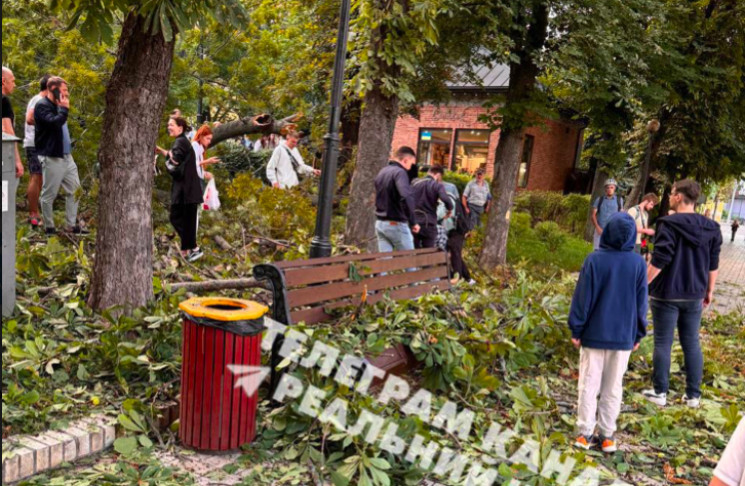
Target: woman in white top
[(201, 142)]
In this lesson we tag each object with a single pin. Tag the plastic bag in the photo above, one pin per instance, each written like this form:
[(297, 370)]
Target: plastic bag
[(211, 197)]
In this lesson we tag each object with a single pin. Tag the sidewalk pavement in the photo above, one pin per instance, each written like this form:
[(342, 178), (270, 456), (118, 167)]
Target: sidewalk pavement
[(730, 291)]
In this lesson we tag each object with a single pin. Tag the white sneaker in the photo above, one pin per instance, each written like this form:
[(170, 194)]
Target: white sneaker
[(194, 255), (692, 402), (659, 399)]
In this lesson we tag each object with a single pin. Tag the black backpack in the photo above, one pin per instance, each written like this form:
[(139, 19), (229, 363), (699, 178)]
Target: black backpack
[(463, 221)]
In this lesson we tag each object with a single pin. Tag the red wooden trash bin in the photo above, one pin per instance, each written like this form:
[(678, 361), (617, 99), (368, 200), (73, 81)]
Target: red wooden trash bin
[(215, 414)]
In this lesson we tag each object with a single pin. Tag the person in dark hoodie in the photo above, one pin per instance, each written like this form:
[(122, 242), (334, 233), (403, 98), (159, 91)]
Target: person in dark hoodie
[(428, 190), (608, 319), (682, 276)]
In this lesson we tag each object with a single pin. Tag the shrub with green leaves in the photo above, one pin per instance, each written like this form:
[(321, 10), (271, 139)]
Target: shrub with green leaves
[(550, 233), (275, 213), (569, 212)]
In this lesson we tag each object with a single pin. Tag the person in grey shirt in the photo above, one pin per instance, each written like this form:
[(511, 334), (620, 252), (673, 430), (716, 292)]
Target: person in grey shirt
[(34, 165), (477, 198), (603, 208)]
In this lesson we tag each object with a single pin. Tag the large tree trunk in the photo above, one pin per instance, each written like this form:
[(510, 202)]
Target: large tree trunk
[(377, 123), (598, 189), (507, 163), (135, 100), (523, 75), (665, 200), (650, 156)]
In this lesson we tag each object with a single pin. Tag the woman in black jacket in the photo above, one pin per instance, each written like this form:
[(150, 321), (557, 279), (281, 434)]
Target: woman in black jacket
[(186, 192)]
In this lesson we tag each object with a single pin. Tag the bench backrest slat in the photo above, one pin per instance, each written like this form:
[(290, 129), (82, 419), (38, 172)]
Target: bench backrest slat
[(338, 290), (307, 290), (315, 262), (329, 273), (313, 315)]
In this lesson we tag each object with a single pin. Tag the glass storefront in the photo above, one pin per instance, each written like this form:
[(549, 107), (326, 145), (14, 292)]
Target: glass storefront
[(434, 146), (471, 150)]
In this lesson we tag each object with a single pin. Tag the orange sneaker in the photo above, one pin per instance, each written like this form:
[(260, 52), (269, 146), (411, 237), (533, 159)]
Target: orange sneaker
[(586, 442), (609, 445)]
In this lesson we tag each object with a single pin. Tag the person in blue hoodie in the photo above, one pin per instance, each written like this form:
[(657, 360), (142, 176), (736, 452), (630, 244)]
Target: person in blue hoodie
[(608, 319), (682, 276)]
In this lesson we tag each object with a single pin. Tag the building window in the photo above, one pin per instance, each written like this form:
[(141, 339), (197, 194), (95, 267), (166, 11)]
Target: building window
[(471, 150), (434, 146), (522, 176)]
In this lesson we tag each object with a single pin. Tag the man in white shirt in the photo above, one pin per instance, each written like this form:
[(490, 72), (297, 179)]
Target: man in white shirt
[(640, 213), (731, 468), (286, 163)]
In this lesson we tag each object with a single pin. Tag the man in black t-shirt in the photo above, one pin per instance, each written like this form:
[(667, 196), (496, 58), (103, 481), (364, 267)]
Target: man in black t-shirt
[(9, 118)]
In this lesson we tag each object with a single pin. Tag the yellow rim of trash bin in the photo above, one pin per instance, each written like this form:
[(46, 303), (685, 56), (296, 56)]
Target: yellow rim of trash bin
[(204, 307)]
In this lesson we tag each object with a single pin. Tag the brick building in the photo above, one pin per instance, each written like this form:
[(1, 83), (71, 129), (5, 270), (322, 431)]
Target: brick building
[(453, 135)]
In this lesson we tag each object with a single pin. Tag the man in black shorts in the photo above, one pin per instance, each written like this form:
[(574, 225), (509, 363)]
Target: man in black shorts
[(34, 165)]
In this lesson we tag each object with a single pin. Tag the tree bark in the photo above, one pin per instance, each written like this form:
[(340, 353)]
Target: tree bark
[(598, 189), (377, 123), (650, 156), (665, 200), (507, 163), (135, 100), (245, 126), (523, 75)]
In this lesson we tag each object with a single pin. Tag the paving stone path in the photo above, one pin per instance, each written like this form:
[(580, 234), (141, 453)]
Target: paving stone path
[(730, 292)]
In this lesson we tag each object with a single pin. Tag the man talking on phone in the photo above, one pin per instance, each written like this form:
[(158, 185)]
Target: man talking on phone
[(54, 147)]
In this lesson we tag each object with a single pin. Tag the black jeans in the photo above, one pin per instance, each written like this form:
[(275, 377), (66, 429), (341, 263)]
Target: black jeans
[(455, 248), (686, 316), (184, 221), (427, 236)]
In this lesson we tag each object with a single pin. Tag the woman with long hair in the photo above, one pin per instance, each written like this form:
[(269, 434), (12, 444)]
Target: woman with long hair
[(186, 192), (201, 142)]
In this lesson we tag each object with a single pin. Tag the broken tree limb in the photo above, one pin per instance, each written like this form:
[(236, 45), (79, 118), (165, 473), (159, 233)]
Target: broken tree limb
[(210, 285), (262, 123), (222, 243), (286, 244)]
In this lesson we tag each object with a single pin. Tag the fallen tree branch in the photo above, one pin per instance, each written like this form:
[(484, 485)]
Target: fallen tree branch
[(262, 123), (222, 243), (210, 285), (286, 244)]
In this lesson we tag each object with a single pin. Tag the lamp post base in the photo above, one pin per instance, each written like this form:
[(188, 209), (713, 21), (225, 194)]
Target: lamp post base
[(320, 248)]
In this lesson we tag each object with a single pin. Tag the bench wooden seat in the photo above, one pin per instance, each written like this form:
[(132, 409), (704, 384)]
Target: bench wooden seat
[(308, 290)]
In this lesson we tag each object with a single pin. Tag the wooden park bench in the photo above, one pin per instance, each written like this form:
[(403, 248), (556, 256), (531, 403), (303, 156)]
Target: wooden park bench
[(309, 290)]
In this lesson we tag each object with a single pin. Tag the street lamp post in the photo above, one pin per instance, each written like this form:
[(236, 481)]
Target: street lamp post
[(321, 245)]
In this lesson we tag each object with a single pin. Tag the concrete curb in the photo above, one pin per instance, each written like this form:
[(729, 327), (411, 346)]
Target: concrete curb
[(29, 455)]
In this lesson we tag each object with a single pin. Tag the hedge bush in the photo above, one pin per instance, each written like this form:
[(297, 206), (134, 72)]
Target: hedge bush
[(460, 180), (550, 233), (569, 212)]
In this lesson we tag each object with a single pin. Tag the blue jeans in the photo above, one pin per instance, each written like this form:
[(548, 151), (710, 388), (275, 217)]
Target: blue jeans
[(393, 236), (686, 316)]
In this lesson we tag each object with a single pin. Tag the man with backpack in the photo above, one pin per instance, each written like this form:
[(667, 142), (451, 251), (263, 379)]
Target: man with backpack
[(462, 225), (640, 213), (603, 208), (428, 190), (286, 163)]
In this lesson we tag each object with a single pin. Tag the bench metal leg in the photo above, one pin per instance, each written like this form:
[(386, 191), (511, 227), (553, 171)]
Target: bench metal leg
[(280, 313)]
